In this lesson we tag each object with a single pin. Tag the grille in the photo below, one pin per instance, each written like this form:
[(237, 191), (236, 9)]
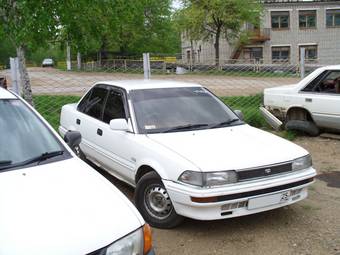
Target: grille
[(261, 172), (236, 205)]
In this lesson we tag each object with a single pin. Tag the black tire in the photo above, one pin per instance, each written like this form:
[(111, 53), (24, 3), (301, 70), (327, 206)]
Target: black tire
[(151, 186), (304, 126)]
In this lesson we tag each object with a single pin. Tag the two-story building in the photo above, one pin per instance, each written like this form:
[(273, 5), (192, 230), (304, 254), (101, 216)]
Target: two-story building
[(286, 26)]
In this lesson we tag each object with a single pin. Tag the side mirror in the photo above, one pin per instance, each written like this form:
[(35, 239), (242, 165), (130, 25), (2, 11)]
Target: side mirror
[(119, 125), (72, 138), (239, 114)]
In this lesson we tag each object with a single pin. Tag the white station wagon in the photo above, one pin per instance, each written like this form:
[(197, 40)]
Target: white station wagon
[(186, 152), (53, 203)]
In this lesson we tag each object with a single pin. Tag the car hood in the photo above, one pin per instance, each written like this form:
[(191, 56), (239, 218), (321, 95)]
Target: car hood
[(61, 208), (230, 148), (278, 90)]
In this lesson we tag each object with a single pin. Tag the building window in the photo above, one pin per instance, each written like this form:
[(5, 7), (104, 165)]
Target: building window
[(333, 18), (280, 19), (311, 53), (307, 19), (253, 53), (280, 54)]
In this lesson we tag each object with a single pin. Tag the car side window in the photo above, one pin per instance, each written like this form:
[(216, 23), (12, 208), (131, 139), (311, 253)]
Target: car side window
[(326, 82), (83, 103), (114, 108), (94, 103)]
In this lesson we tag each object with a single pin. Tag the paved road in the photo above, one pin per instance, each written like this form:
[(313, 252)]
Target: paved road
[(53, 81)]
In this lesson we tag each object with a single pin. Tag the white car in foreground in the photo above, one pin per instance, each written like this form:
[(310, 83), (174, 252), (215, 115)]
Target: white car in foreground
[(186, 152), (310, 105), (53, 203)]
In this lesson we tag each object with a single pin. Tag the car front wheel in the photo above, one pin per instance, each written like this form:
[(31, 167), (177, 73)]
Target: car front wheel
[(154, 203)]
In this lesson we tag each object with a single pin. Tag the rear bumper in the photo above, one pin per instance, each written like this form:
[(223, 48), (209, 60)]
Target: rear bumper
[(270, 118), (242, 198)]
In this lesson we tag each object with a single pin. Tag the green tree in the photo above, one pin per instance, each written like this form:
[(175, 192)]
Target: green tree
[(216, 18), (27, 24), (141, 26)]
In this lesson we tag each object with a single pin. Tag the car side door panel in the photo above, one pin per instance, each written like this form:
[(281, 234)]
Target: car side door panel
[(117, 146)]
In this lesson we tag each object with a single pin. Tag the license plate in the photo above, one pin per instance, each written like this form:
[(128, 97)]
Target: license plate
[(269, 200)]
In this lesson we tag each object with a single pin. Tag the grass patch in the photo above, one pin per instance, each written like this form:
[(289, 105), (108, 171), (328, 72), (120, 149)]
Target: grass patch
[(288, 134), (249, 105), (50, 106)]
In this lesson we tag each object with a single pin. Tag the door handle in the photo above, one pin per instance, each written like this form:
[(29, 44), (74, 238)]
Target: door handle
[(78, 121), (308, 100), (99, 132)]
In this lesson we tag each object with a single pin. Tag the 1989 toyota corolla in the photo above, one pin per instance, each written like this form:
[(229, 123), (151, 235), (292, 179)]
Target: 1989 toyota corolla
[(186, 152)]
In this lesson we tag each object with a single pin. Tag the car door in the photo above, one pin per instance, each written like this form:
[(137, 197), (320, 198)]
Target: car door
[(322, 98), (118, 146), (88, 121)]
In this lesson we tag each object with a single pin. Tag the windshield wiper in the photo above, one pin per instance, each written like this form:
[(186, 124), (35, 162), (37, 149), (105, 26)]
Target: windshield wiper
[(185, 127), (225, 123), (41, 157), (5, 162)]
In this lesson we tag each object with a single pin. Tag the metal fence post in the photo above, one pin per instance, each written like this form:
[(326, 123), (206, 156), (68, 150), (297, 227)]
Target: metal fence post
[(146, 66), (302, 62), (14, 63)]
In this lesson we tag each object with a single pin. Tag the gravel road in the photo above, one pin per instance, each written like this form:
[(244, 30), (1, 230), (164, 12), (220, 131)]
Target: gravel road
[(54, 81)]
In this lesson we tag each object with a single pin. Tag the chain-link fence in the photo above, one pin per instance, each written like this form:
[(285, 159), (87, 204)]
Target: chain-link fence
[(239, 84)]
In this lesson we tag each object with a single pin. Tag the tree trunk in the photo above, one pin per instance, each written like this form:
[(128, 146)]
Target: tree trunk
[(68, 57), (217, 47), (78, 61), (192, 55), (24, 78)]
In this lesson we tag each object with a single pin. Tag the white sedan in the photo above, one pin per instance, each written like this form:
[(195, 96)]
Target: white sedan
[(310, 105), (53, 203), (186, 152)]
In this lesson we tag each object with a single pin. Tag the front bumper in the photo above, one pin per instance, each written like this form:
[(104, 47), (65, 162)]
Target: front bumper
[(241, 198)]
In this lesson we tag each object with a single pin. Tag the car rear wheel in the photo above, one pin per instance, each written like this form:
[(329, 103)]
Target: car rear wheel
[(154, 203)]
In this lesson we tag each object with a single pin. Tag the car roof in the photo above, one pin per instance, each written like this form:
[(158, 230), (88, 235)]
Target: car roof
[(5, 94), (333, 67), (148, 84)]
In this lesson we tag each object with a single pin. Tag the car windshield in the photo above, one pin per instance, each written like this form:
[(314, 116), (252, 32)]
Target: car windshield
[(179, 109), (23, 136)]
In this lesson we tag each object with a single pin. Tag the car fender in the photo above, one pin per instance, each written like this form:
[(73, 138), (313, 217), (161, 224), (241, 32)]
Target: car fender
[(159, 169), (298, 106)]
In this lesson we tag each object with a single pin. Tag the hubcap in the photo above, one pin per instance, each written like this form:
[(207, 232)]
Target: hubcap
[(157, 202)]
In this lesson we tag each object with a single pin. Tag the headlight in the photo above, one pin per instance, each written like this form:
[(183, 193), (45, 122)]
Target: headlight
[(138, 242), (302, 163), (131, 244), (208, 179)]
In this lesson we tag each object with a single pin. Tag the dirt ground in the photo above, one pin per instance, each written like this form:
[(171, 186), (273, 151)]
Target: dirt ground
[(54, 81), (311, 226)]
